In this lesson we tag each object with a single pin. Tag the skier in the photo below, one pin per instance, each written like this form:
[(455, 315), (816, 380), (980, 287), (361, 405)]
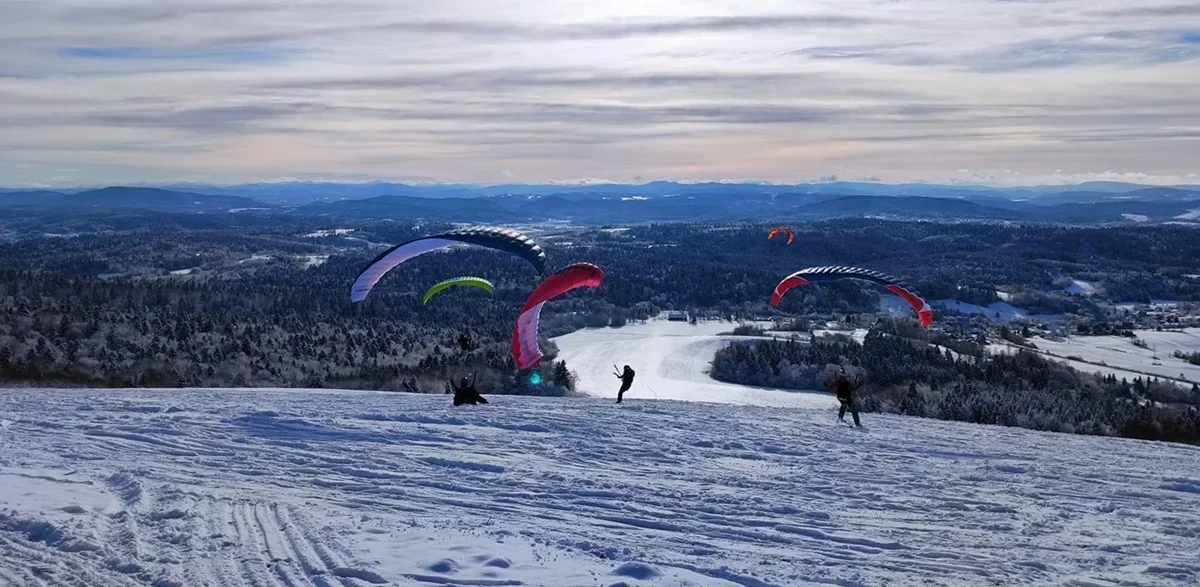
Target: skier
[(626, 378), (465, 393), (845, 389)]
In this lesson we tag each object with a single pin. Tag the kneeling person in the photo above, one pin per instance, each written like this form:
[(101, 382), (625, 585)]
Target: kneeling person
[(465, 393)]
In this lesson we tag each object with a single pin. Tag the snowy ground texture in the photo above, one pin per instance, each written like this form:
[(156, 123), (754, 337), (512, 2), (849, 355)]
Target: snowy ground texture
[(1121, 358), (671, 361), (297, 488)]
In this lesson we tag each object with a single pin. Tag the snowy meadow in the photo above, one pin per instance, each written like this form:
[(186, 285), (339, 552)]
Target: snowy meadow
[(330, 488)]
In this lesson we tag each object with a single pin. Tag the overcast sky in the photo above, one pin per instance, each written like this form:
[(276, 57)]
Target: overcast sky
[(227, 91)]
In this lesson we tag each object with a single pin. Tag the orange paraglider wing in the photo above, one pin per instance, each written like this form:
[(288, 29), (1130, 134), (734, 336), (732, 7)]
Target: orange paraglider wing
[(778, 229)]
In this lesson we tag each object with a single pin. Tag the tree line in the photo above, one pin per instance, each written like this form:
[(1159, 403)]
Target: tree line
[(906, 374), (102, 308)]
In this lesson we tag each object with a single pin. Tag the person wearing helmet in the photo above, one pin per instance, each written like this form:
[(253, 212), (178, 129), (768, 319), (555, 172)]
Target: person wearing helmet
[(845, 388), (465, 393)]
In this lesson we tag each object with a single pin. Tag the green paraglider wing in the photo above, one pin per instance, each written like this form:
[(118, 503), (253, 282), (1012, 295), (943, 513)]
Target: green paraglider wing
[(457, 281), (500, 239)]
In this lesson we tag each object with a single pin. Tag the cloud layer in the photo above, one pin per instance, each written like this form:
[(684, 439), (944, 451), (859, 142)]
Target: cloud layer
[(117, 91)]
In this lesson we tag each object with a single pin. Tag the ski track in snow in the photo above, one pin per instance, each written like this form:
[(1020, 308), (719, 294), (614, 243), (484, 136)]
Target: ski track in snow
[(305, 488)]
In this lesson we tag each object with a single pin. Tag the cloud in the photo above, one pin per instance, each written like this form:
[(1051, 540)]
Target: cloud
[(472, 90), (1154, 10), (228, 55)]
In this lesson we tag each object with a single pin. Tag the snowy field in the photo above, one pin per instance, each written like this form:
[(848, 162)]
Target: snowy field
[(1001, 312), (1082, 288), (1123, 359), (353, 489), (671, 360)]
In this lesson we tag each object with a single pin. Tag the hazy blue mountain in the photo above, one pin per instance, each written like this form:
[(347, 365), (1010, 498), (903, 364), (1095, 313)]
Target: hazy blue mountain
[(300, 193), (613, 208), (917, 206), (30, 198), (128, 197), (1143, 194), (651, 202)]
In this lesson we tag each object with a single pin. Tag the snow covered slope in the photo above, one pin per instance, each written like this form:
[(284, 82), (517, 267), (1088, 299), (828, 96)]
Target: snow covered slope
[(671, 360), (290, 487), (1123, 359), (1002, 312)]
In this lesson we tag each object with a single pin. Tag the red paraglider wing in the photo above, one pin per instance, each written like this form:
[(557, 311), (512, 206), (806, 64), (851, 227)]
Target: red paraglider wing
[(774, 231), (525, 350), (818, 274), (788, 283), (924, 312)]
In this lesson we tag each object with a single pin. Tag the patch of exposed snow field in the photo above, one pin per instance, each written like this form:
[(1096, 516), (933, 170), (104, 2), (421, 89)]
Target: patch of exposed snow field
[(352, 489), (671, 360), (1001, 312), (328, 232), (1082, 288), (1123, 359), (311, 261)]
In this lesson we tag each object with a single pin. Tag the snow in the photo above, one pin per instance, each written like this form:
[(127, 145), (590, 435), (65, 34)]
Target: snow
[(1152, 304), (183, 271), (329, 232), (1081, 366), (351, 489), (634, 198), (1136, 217), (1191, 215), (858, 334), (311, 261), (1122, 359), (1007, 312), (255, 258), (1078, 287), (671, 360)]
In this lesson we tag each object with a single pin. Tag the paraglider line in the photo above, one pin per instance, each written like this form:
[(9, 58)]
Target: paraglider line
[(643, 384)]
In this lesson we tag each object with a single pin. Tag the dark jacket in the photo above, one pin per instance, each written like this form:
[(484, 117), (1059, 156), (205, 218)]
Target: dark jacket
[(844, 387), (467, 394), (627, 378)]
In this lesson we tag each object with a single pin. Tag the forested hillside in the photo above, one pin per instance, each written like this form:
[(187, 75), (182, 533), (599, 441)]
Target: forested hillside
[(261, 303), (903, 372)]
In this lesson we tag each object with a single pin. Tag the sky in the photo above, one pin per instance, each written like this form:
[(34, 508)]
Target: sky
[(1013, 92)]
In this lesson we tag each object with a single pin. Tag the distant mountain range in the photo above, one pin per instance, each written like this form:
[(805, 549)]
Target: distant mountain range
[(128, 197), (654, 202), (296, 193), (612, 208)]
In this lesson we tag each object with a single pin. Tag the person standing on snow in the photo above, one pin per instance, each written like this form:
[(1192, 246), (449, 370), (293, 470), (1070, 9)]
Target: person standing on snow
[(626, 378), (845, 389)]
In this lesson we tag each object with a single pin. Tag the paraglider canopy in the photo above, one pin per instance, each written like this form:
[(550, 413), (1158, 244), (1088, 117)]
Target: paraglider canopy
[(525, 349), (891, 284), (774, 231), (478, 282), (501, 239)]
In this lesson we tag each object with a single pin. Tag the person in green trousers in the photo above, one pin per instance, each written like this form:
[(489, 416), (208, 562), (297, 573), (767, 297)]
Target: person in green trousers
[(845, 389)]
